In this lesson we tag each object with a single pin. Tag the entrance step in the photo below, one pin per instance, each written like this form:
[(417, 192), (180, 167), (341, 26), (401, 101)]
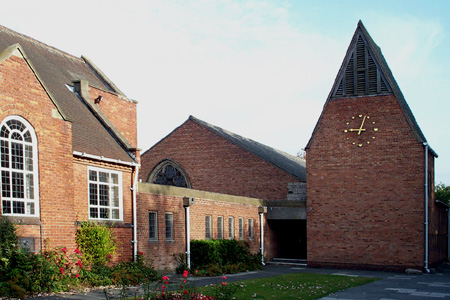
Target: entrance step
[(288, 262)]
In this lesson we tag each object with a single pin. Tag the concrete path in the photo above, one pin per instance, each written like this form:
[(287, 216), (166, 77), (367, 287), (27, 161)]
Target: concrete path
[(391, 286), (397, 286)]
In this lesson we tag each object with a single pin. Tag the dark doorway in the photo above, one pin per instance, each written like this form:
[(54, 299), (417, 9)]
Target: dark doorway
[(290, 237)]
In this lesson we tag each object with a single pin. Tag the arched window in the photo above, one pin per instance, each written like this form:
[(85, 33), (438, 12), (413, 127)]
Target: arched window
[(169, 172), (19, 168)]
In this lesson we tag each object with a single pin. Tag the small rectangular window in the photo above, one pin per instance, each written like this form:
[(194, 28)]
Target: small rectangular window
[(169, 226), (153, 225), (219, 228), (241, 228), (231, 228), (250, 229), (208, 227)]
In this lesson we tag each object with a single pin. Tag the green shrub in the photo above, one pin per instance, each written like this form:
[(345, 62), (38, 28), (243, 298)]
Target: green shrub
[(204, 253), (8, 241), (215, 257), (96, 242)]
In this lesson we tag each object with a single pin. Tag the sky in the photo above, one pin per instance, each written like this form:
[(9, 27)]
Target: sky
[(260, 69)]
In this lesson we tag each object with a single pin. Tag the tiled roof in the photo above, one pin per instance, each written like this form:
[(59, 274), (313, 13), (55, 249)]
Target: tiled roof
[(57, 70), (286, 162)]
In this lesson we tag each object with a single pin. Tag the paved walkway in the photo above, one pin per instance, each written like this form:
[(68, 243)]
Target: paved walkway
[(391, 286)]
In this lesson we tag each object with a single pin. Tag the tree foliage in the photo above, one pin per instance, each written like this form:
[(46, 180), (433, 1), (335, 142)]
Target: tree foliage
[(442, 193)]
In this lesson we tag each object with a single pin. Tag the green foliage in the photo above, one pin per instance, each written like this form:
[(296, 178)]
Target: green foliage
[(224, 291), (96, 242), (216, 257), (181, 262), (8, 241), (58, 270), (204, 253), (442, 192)]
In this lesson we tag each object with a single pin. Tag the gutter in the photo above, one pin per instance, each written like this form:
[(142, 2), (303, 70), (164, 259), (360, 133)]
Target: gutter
[(105, 159)]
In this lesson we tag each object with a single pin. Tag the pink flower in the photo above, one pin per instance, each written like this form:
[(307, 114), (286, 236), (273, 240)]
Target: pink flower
[(224, 283), (78, 275), (141, 253), (185, 274), (64, 250), (109, 255), (185, 292), (77, 251), (61, 270), (224, 277), (165, 278)]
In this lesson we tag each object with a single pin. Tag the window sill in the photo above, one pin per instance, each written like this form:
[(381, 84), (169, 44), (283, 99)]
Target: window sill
[(19, 220)]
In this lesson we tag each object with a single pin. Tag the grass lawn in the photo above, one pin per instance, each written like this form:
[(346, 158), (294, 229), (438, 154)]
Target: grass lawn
[(292, 286)]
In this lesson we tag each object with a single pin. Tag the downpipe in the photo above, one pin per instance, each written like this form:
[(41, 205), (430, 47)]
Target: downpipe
[(261, 222), (134, 188), (426, 208)]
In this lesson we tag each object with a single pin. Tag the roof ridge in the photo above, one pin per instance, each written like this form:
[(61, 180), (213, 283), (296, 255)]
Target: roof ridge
[(240, 136), (36, 42), (236, 138)]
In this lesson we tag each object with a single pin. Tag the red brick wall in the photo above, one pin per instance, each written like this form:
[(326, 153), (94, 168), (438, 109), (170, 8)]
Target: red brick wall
[(161, 253), (365, 204), (215, 164), (122, 230), (120, 111), (21, 94), (62, 179)]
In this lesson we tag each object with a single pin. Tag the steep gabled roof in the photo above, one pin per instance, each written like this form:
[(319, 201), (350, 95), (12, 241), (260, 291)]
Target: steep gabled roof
[(286, 162), (365, 72), (57, 71)]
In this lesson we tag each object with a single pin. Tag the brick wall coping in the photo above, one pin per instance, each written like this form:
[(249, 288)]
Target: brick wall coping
[(150, 188)]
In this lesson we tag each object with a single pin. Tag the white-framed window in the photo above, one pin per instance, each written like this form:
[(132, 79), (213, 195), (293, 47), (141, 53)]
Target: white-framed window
[(219, 227), (153, 225), (169, 226), (19, 168), (208, 229), (105, 194), (241, 228), (250, 229), (231, 228)]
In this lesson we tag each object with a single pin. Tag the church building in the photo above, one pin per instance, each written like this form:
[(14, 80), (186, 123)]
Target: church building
[(364, 198)]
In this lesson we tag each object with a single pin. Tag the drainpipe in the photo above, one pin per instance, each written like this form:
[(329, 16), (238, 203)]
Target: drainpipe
[(262, 210), (134, 188), (426, 207), (187, 202), (448, 233)]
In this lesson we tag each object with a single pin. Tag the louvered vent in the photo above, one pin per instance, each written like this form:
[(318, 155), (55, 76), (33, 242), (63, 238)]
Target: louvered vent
[(362, 75), (350, 77)]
